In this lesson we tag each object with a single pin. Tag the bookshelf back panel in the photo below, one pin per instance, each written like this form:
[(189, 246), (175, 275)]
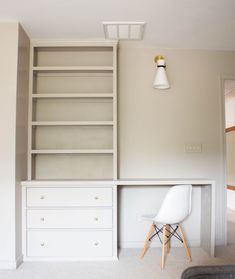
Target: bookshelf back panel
[(73, 83), (73, 56), (71, 137), (80, 124), (81, 166), (73, 110)]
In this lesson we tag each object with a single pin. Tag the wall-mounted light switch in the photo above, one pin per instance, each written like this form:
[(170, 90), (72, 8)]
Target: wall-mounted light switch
[(193, 147)]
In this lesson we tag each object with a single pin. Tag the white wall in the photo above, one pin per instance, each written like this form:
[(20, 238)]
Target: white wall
[(11, 90), (155, 125)]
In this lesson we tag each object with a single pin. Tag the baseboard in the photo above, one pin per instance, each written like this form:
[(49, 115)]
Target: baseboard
[(11, 265), (139, 244), (220, 242), (19, 260), (69, 259)]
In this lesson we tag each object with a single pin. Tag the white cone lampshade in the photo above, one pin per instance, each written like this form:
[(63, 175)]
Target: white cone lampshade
[(161, 80)]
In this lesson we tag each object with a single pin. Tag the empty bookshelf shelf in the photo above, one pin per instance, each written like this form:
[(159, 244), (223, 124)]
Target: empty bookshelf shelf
[(72, 151), (72, 123)]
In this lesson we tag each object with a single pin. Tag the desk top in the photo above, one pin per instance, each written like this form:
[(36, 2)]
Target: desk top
[(120, 182), (168, 181)]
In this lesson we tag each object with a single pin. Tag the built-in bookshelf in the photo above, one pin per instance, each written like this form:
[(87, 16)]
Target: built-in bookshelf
[(73, 111)]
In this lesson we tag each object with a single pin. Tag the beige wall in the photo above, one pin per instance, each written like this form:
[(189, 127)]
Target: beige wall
[(12, 89), (21, 126), (8, 72), (155, 125)]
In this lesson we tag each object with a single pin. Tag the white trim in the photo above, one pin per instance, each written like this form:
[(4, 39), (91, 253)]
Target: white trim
[(24, 220), (220, 242), (115, 131), (65, 183), (224, 239), (224, 165), (30, 114), (168, 182), (71, 95), (72, 151), (11, 265), (119, 182), (115, 224), (71, 68), (68, 259), (72, 43), (72, 123)]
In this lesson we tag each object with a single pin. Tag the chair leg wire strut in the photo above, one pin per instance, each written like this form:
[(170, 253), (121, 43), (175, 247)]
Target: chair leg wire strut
[(169, 236), (167, 232)]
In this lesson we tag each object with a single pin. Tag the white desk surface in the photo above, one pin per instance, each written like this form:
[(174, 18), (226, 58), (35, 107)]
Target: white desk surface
[(164, 181), (120, 182)]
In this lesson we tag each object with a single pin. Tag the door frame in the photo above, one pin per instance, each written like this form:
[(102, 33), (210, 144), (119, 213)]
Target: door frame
[(224, 149)]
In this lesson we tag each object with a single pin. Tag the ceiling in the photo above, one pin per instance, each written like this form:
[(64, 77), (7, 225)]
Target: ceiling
[(197, 24)]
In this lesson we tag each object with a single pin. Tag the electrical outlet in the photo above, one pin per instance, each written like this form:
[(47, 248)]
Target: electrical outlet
[(193, 147)]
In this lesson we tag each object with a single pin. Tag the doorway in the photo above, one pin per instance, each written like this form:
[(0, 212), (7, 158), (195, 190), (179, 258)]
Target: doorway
[(229, 97)]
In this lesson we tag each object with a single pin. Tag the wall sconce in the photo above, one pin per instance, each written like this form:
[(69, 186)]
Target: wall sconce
[(160, 80)]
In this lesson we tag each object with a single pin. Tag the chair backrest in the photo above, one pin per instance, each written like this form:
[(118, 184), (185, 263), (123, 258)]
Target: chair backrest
[(176, 206)]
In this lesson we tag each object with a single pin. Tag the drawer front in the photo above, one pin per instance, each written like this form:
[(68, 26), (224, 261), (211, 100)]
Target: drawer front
[(69, 243), (69, 218), (69, 196)]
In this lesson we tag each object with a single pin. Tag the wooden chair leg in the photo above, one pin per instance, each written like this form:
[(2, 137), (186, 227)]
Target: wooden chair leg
[(163, 246), (168, 239), (147, 241), (185, 243)]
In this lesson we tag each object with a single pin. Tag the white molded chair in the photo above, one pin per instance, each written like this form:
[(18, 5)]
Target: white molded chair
[(175, 208)]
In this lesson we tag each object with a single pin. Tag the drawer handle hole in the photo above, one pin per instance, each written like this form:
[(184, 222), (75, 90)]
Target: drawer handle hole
[(96, 197), (42, 197), (42, 219), (43, 244), (96, 243), (96, 219)]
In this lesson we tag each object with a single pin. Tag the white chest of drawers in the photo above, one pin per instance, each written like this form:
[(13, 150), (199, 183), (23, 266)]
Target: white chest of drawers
[(69, 220)]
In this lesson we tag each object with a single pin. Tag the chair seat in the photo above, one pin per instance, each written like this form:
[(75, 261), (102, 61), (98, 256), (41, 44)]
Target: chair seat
[(152, 218)]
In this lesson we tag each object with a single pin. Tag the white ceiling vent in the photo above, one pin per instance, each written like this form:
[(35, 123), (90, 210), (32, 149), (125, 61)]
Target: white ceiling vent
[(124, 30)]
